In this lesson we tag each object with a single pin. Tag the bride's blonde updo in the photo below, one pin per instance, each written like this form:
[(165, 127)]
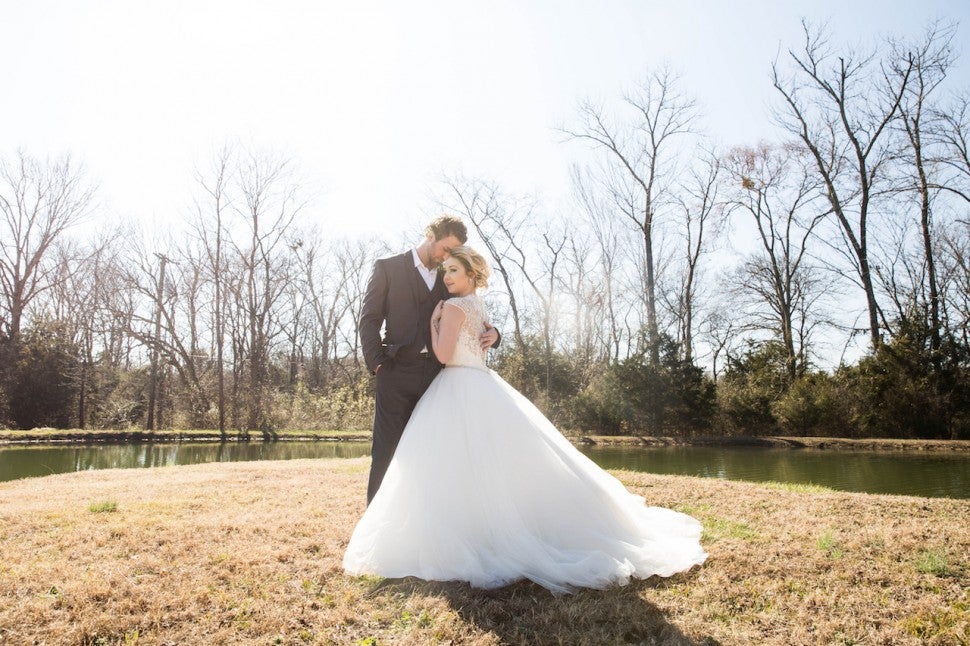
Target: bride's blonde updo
[(474, 263)]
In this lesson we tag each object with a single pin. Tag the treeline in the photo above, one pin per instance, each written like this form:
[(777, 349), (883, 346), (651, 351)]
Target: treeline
[(682, 288)]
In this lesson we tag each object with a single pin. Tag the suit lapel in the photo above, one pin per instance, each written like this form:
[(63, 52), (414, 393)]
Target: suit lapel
[(439, 286), (418, 287)]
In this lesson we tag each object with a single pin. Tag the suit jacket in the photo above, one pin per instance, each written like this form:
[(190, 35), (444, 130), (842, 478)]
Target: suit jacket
[(398, 299)]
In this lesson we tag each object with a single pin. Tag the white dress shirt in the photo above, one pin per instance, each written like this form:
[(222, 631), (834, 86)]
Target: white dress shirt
[(429, 275)]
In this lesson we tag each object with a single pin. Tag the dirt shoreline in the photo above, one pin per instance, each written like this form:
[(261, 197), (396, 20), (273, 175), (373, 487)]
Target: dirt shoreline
[(787, 442), (251, 553), (51, 436), (98, 437)]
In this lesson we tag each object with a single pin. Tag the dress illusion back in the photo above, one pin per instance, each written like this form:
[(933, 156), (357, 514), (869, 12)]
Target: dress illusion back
[(484, 489)]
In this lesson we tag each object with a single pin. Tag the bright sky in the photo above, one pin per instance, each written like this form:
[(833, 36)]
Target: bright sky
[(376, 100)]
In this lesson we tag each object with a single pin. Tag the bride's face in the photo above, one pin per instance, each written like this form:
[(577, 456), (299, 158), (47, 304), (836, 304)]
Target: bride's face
[(457, 280)]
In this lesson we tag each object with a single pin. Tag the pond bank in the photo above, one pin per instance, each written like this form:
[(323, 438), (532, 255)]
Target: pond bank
[(783, 442), (251, 552), (80, 436)]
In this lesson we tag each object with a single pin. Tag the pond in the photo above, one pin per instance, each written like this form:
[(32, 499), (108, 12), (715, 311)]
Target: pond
[(906, 473)]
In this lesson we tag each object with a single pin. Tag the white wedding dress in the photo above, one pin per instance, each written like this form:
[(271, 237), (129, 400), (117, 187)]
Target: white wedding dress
[(484, 489)]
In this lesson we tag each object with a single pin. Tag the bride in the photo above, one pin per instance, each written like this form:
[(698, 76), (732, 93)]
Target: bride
[(484, 489)]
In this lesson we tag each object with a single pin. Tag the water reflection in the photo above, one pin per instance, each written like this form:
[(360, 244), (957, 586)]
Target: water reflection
[(916, 474), (32, 461), (924, 474)]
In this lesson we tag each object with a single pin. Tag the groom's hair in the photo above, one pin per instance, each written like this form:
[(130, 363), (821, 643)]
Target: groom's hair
[(448, 225)]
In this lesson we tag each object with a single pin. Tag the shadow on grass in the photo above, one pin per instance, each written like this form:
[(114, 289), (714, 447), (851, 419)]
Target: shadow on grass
[(526, 613)]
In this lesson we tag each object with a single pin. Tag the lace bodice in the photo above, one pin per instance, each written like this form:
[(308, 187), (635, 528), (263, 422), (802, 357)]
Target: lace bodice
[(469, 352)]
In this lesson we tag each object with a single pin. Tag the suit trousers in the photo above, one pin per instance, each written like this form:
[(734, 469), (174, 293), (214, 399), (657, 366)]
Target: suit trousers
[(400, 384)]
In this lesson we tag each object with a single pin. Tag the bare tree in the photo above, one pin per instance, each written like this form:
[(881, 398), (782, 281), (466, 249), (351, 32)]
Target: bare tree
[(719, 327), (39, 201), (545, 286), (700, 206), (144, 280), (81, 297), (323, 291), (156, 369), (775, 188), (496, 219), (954, 135), (269, 201), (583, 283), (210, 211), (118, 306), (523, 252), (320, 298), (296, 325), (184, 323), (608, 242), (541, 276), (352, 261), (641, 165), (237, 333), (956, 278), (841, 108), (901, 273), (927, 64)]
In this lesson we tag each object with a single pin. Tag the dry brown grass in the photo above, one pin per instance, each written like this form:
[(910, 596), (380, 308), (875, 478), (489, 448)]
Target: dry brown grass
[(250, 553)]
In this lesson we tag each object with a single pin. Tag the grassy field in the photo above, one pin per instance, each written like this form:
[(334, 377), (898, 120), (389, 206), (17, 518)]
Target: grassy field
[(250, 553)]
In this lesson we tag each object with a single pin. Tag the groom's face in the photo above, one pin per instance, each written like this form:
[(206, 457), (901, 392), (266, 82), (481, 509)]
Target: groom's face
[(441, 249)]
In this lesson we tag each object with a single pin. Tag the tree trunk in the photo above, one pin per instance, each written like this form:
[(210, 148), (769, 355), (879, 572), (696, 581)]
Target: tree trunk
[(653, 336), (153, 386)]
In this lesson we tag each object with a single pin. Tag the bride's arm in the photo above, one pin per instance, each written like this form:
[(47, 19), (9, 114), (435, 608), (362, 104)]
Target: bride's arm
[(444, 337)]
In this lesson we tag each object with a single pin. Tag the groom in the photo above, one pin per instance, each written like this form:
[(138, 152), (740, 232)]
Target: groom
[(401, 296)]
